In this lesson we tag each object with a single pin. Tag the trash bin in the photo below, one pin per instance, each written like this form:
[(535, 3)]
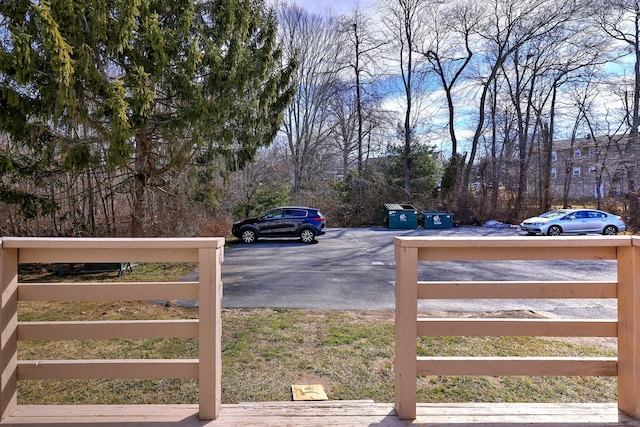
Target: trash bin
[(437, 219), (400, 216)]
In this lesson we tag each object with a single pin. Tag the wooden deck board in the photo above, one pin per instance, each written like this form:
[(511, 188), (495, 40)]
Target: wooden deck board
[(325, 414)]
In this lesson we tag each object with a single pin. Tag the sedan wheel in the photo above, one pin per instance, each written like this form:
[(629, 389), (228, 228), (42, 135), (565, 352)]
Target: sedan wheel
[(610, 230), (554, 230), (249, 236), (307, 236)]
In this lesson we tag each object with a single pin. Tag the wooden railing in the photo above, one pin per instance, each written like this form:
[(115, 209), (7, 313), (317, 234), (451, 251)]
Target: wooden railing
[(207, 252), (410, 252)]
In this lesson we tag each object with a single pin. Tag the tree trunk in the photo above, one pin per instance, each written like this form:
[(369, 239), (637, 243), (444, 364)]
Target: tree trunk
[(140, 179), (632, 144)]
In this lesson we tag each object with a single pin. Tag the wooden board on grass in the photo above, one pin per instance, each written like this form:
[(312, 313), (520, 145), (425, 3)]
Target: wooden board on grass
[(308, 392)]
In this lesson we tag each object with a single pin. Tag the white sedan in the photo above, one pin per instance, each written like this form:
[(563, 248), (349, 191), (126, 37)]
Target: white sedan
[(574, 221)]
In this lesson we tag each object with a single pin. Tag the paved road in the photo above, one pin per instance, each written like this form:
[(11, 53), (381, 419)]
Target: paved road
[(354, 269)]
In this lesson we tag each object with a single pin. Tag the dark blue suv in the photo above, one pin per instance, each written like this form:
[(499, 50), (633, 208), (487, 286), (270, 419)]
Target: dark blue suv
[(286, 221)]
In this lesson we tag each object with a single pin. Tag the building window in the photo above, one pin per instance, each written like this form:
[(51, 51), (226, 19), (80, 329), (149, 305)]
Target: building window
[(592, 169), (592, 152), (576, 171), (577, 153), (553, 173), (554, 156)]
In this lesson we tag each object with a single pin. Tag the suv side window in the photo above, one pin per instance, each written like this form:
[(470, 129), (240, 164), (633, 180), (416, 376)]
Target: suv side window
[(295, 213), (275, 214)]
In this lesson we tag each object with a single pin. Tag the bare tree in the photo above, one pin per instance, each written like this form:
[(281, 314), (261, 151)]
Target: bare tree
[(344, 126), (620, 20), (535, 73), (404, 21), (449, 51), (261, 185), (312, 41), (359, 59), (510, 34), (356, 102)]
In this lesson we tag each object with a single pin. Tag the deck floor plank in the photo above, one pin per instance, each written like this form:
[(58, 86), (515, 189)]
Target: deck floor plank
[(323, 414)]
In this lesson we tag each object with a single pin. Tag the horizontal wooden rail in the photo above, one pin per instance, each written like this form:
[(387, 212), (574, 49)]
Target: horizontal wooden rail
[(107, 291), (517, 254), (529, 366), (411, 252), (113, 329), (109, 369), (517, 328), (34, 256), (516, 290), (512, 242), (207, 369)]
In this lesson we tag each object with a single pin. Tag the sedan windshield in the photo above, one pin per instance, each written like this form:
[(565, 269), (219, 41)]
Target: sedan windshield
[(554, 214)]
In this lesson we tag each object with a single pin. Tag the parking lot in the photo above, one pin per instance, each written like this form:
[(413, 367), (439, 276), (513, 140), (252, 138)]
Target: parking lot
[(354, 269)]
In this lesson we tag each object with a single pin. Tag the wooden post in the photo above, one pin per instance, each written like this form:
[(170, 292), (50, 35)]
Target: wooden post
[(406, 331), (628, 340), (8, 332), (210, 350), (628, 329)]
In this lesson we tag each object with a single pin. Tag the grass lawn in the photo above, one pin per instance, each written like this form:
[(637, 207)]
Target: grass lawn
[(265, 351)]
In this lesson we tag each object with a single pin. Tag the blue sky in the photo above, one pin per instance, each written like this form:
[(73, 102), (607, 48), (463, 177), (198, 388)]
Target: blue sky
[(336, 6)]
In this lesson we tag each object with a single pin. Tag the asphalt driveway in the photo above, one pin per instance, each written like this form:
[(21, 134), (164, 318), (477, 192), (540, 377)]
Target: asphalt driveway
[(354, 269)]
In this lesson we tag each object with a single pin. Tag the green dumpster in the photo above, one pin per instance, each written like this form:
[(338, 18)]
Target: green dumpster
[(437, 219), (400, 216)]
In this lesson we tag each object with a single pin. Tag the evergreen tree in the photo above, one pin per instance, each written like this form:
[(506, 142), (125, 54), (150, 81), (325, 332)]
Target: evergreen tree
[(147, 86), (425, 171)]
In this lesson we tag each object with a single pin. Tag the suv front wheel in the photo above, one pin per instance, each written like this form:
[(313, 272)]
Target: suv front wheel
[(307, 236)]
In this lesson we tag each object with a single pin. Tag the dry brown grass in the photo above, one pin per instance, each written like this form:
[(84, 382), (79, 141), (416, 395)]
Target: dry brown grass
[(265, 351)]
